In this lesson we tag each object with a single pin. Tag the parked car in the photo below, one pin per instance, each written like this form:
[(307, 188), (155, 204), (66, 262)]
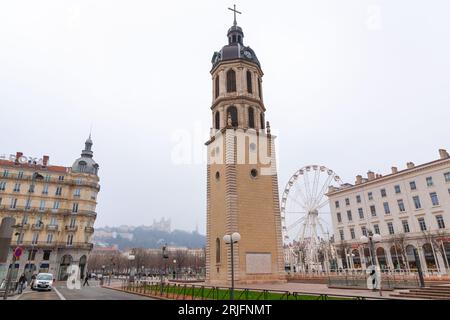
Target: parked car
[(43, 281)]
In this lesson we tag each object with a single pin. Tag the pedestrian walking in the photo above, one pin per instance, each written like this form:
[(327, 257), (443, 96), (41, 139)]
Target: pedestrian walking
[(33, 278), (86, 278), (21, 283)]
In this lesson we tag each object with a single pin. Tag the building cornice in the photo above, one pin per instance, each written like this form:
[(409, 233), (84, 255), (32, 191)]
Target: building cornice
[(236, 63), (391, 176), (238, 99)]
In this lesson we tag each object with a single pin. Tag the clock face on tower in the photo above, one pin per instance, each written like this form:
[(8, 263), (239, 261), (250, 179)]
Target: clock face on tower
[(247, 54)]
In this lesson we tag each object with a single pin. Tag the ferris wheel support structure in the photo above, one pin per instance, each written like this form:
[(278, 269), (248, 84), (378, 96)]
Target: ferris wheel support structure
[(303, 202)]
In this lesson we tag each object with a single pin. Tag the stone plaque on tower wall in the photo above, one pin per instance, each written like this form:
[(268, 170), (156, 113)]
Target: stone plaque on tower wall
[(258, 263)]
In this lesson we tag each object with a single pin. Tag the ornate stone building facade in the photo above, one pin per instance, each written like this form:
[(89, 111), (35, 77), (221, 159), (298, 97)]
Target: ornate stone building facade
[(54, 209), (242, 183), (410, 209)]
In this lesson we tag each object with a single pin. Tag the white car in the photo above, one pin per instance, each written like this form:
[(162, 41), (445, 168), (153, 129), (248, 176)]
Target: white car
[(43, 281)]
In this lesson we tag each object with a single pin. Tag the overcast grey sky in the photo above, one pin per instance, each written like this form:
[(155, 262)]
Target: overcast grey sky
[(350, 84)]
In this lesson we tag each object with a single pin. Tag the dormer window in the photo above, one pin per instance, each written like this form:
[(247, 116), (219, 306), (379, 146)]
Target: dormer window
[(82, 166)]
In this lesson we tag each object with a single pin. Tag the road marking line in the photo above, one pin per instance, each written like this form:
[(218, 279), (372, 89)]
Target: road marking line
[(61, 297)]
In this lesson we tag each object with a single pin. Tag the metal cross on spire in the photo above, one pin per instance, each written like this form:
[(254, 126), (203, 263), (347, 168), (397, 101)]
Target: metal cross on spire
[(235, 11)]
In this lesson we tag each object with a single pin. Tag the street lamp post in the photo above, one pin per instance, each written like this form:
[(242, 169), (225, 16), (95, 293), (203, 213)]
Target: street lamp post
[(131, 258), (103, 275), (165, 256), (35, 176), (33, 244), (13, 263), (231, 239), (8, 277), (419, 268), (371, 239), (174, 268)]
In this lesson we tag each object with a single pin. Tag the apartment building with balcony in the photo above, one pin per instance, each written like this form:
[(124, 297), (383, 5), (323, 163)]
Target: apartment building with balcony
[(409, 208), (54, 208)]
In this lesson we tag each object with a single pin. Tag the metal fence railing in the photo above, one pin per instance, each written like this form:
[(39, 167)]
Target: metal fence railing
[(388, 282), (429, 273), (200, 292)]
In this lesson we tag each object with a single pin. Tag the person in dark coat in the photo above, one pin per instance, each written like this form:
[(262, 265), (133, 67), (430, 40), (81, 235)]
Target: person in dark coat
[(33, 278), (86, 278), (21, 283)]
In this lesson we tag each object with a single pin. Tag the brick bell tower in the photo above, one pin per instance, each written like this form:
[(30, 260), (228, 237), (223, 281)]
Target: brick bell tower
[(242, 183)]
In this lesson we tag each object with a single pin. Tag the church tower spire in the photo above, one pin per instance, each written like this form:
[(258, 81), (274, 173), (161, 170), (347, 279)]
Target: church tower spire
[(242, 183), (87, 152)]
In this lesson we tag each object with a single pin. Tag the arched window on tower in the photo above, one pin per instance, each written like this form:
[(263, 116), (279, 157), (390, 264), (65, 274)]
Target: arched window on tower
[(259, 88), (249, 82), (217, 88), (217, 250), (251, 117), (217, 119), (231, 81), (262, 121), (232, 112)]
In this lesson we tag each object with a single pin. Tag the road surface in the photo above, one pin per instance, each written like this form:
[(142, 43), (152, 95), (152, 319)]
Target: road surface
[(93, 292)]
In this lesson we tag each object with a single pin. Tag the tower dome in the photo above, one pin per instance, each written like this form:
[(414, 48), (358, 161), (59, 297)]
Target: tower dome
[(86, 163), (235, 49)]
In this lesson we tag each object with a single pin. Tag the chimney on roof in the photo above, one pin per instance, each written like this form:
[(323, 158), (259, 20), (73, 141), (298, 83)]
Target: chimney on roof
[(45, 160), (18, 155), (370, 175), (358, 179), (332, 188), (394, 169), (410, 165), (443, 154)]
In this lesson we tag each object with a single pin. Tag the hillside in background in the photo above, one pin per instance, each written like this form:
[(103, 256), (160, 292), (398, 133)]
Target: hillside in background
[(126, 237)]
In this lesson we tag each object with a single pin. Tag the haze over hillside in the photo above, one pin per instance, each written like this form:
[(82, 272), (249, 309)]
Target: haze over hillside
[(154, 236)]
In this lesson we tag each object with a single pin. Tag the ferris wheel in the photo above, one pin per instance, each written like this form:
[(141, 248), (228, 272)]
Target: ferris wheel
[(304, 205)]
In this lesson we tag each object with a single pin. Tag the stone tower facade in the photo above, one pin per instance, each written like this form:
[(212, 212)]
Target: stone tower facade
[(242, 183)]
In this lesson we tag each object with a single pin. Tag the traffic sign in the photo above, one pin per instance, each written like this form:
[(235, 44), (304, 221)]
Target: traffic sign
[(18, 252)]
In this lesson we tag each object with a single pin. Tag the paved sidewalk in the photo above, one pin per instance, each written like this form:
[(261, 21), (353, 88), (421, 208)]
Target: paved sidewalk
[(19, 295), (318, 288), (315, 288)]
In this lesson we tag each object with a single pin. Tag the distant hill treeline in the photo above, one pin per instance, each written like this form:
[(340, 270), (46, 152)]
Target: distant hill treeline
[(145, 238)]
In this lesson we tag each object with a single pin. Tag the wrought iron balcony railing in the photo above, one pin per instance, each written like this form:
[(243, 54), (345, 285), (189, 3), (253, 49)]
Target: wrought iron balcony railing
[(89, 229), (71, 182), (71, 228), (53, 244), (52, 227)]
